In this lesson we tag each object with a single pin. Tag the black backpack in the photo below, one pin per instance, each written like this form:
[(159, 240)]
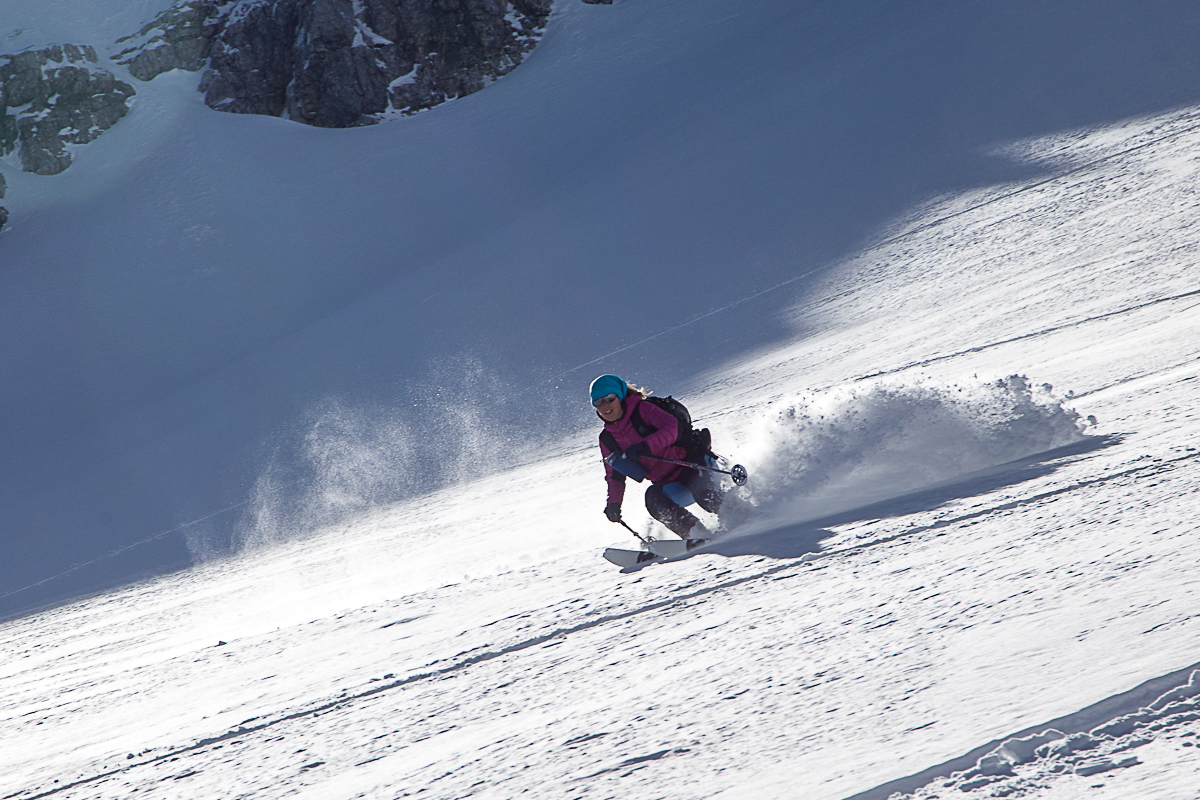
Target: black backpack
[(695, 442)]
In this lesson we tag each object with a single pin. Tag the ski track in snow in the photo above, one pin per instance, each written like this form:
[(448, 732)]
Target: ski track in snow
[(880, 615)]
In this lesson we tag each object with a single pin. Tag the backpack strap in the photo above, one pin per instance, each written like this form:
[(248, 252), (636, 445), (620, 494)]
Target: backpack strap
[(642, 427), (685, 439)]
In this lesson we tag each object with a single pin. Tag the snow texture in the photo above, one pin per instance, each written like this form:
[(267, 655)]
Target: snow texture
[(853, 446), (300, 489)]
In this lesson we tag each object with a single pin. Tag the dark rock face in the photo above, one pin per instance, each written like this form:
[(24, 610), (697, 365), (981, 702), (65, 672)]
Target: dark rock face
[(339, 63), (54, 97), (3, 210), (452, 48), (253, 60)]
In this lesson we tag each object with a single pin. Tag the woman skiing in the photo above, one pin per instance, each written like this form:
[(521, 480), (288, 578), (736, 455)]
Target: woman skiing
[(637, 433)]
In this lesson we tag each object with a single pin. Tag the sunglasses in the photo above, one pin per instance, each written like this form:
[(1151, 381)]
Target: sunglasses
[(608, 398)]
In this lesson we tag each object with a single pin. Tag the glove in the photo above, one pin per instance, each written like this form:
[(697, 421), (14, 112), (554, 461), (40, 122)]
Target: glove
[(613, 512), (634, 452)]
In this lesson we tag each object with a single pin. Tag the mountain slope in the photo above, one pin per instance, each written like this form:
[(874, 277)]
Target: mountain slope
[(198, 287), (471, 643), (934, 554)]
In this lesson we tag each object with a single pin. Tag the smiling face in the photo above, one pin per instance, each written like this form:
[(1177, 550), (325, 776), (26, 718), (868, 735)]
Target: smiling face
[(610, 408)]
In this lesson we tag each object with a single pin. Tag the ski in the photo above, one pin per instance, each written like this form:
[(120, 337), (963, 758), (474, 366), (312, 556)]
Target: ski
[(659, 548), (669, 548), (628, 558)]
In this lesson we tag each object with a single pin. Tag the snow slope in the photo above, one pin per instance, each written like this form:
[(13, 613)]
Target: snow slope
[(184, 300), (932, 556)]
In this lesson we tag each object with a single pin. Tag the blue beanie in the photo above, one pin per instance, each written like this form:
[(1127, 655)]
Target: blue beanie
[(609, 384)]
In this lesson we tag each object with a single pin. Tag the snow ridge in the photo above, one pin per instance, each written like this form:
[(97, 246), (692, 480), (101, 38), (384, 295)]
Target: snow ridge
[(1092, 741)]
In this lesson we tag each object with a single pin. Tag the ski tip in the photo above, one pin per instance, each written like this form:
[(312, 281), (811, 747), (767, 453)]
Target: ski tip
[(628, 558)]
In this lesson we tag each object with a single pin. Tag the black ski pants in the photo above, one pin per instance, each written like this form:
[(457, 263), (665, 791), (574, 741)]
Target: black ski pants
[(676, 517)]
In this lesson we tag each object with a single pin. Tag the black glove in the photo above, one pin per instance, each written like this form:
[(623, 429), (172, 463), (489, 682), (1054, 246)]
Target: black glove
[(636, 451), (613, 512)]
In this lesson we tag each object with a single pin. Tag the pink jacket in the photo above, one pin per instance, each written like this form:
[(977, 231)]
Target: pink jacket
[(661, 443)]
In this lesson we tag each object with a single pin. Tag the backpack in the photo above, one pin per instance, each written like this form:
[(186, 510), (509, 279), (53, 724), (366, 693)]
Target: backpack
[(696, 443)]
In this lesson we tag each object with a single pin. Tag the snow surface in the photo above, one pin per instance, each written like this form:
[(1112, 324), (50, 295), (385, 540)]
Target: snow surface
[(928, 273)]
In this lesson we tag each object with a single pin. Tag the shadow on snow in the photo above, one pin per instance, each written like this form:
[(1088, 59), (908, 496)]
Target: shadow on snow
[(799, 539)]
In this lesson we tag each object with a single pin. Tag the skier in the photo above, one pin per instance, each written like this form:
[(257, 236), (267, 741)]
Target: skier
[(627, 452)]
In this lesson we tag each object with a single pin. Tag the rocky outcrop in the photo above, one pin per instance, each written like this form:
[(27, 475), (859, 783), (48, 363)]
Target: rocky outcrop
[(55, 97), (178, 38), (338, 63), (3, 210)]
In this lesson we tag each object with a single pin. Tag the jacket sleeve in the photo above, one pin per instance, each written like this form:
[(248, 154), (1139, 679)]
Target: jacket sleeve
[(615, 480)]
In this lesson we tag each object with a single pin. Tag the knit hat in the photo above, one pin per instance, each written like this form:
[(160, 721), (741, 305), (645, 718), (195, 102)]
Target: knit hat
[(609, 384)]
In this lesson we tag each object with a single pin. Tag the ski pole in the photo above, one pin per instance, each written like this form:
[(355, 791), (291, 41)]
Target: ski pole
[(737, 472), (635, 533)]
